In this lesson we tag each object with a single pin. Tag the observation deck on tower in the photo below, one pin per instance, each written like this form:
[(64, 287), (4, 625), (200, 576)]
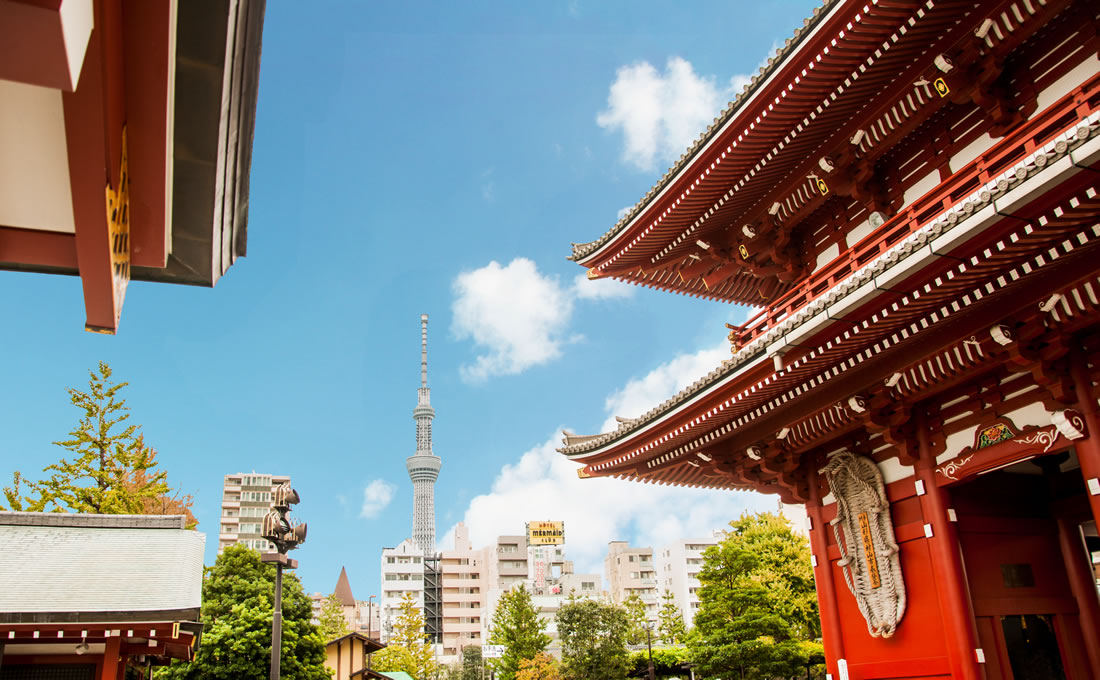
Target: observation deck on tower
[(424, 465)]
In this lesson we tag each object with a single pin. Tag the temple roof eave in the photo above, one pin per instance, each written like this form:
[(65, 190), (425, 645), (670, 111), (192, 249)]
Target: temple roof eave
[(581, 252), (965, 215)]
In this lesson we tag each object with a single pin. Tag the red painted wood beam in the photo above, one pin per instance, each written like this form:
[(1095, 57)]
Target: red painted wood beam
[(113, 664), (43, 42), (150, 41), (947, 567), (93, 130), (37, 248)]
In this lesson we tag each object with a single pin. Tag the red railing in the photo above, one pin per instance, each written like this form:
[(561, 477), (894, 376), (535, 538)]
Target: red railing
[(1015, 147)]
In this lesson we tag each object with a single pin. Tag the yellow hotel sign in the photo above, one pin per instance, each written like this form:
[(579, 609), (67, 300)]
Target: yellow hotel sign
[(545, 533)]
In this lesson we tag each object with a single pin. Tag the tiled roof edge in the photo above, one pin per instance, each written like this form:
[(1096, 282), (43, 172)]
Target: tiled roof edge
[(581, 250), (88, 521)]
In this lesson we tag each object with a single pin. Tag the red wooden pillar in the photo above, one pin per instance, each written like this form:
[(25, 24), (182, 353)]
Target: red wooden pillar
[(947, 566), (1083, 584), (826, 585), (112, 659), (1088, 449)]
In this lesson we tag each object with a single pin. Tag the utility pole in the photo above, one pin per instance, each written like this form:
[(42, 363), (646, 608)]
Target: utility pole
[(278, 529)]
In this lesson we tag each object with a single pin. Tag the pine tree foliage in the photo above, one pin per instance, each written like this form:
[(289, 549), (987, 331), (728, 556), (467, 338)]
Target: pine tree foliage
[(111, 471), (333, 624), (407, 649), (517, 626), (238, 595), (670, 620), (636, 613), (758, 610), (593, 634)]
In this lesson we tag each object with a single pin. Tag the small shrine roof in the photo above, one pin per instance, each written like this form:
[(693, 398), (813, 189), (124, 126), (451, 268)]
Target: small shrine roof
[(66, 564)]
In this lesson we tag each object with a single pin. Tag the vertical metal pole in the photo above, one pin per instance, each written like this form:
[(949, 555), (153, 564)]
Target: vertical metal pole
[(277, 623), (649, 646)]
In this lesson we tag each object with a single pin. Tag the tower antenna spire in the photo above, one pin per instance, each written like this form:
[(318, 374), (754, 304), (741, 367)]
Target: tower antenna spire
[(423, 350), (423, 466)]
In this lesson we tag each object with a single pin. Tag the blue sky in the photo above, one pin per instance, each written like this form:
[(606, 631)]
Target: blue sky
[(423, 158)]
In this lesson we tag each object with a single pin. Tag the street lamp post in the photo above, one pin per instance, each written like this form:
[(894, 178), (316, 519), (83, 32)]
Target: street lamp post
[(286, 536), (649, 646)]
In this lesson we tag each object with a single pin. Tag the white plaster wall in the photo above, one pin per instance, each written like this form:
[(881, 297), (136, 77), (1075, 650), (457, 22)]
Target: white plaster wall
[(34, 162)]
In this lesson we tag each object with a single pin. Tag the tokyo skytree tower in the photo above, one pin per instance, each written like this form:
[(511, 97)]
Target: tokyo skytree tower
[(423, 466)]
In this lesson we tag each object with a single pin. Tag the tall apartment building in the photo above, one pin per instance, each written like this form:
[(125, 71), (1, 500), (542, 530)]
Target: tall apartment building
[(678, 566), (465, 581), (630, 571), (246, 498), (402, 572)]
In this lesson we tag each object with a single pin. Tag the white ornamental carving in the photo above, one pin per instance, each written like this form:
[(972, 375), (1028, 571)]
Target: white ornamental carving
[(1069, 423)]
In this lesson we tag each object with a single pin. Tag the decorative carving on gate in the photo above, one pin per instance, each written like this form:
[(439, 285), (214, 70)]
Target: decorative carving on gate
[(993, 450), (865, 536)]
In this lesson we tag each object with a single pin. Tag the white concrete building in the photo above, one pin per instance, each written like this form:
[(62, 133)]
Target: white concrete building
[(402, 571), (246, 498), (678, 566)]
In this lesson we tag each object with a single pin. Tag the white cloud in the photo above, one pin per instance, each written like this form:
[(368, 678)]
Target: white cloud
[(517, 315), (543, 485), (623, 212), (641, 394), (600, 289), (661, 114), (376, 496)]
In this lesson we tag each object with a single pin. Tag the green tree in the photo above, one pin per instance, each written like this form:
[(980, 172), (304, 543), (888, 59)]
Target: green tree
[(471, 663), (333, 624), (635, 612), (667, 662), (757, 607), (112, 470), (517, 626), (593, 634), (541, 667), (670, 620), (407, 649), (238, 595)]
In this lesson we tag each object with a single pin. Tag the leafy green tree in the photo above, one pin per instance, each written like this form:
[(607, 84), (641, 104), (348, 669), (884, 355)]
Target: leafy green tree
[(333, 624), (635, 612), (757, 607), (238, 595), (407, 649), (593, 634), (541, 667), (471, 663), (517, 626), (112, 470), (670, 620), (667, 662)]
